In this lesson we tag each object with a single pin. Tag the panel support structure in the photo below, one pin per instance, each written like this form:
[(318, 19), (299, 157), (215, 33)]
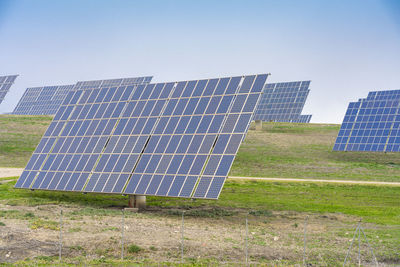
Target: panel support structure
[(138, 202), (258, 125)]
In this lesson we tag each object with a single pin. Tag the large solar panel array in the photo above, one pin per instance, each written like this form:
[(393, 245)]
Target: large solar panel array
[(371, 124), (167, 139), (46, 100), (5, 84), (283, 102)]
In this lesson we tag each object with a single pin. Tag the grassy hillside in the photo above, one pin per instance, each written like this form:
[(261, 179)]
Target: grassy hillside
[(279, 150), (305, 151), (19, 136)]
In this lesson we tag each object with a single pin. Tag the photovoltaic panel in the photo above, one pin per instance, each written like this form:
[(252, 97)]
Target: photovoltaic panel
[(371, 124), (167, 139), (5, 84), (46, 100), (283, 102), (303, 119)]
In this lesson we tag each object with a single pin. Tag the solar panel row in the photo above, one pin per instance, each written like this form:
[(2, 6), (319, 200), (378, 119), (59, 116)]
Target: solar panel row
[(46, 100), (371, 124), (303, 119), (5, 85), (283, 102), (166, 139)]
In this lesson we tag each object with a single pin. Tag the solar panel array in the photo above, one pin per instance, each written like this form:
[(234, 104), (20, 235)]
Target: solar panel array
[(371, 124), (283, 102), (303, 119), (5, 84), (42, 100), (46, 100), (167, 139)]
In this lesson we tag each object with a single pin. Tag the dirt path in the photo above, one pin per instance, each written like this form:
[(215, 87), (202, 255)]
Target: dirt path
[(317, 180), (10, 172)]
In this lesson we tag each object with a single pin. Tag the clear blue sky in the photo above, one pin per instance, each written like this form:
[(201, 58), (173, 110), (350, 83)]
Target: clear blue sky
[(346, 48)]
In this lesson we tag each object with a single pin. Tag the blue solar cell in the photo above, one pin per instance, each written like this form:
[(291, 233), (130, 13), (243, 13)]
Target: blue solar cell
[(165, 185), (230, 123), (212, 165), (133, 182), (92, 182), (247, 84), (182, 125), (193, 124), (143, 184), (215, 187), (186, 164), (47, 180), (188, 91), (130, 163), (153, 186), (188, 186), (225, 165), (207, 144), (148, 108), (221, 144), (202, 187), (110, 183), (174, 165), (201, 85), (81, 181), (65, 178), (234, 144), (184, 144), (164, 163), (39, 179), (211, 85), (242, 123), (153, 163), (204, 124), (176, 186), (119, 186), (180, 106)]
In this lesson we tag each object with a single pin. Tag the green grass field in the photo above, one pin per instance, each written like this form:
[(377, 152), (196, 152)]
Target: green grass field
[(305, 151), (19, 136), (280, 150)]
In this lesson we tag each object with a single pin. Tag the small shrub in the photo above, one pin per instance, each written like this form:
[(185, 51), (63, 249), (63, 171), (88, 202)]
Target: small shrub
[(134, 249), (2, 224), (153, 248), (29, 215)]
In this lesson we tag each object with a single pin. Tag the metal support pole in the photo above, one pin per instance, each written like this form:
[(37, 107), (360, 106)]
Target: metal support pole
[(359, 249), (60, 244), (247, 245), (122, 234), (370, 248), (305, 241), (182, 237), (351, 244)]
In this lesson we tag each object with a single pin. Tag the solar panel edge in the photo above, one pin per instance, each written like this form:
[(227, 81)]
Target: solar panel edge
[(234, 155)]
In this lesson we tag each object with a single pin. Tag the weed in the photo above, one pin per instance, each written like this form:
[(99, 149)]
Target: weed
[(45, 224), (260, 213), (2, 224), (133, 249), (75, 230)]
